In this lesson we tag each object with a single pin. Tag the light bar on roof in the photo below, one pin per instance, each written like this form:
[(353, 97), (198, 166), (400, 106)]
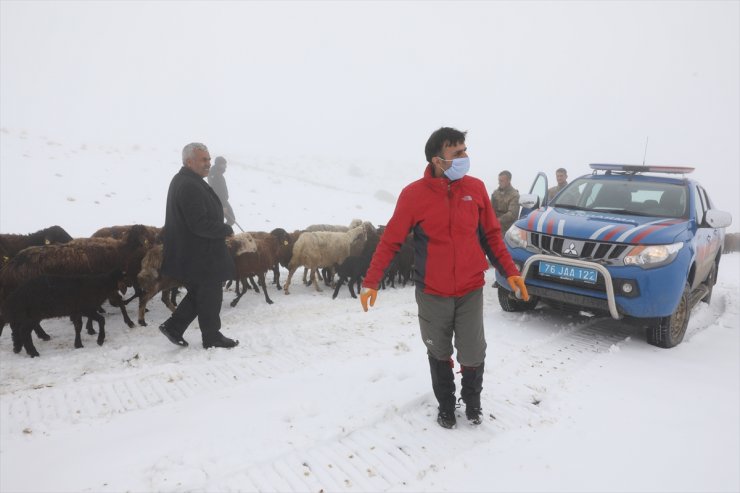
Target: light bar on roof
[(636, 168)]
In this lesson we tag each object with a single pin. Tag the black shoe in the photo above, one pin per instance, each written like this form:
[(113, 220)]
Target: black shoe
[(174, 339), (221, 341), (474, 415), (446, 419)]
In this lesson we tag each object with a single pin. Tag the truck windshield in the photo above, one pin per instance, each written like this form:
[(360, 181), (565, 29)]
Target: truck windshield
[(634, 197)]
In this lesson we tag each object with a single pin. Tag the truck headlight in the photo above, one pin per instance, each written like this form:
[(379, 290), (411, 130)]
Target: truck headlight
[(652, 255), (516, 237)]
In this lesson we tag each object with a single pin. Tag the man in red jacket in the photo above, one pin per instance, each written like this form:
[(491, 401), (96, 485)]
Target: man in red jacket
[(454, 229)]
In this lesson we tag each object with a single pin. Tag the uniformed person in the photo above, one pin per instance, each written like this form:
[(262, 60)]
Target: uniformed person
[(505, 201), (561, 176)]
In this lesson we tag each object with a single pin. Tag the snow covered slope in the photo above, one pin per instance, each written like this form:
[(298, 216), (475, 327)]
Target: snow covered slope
[(321, 396)]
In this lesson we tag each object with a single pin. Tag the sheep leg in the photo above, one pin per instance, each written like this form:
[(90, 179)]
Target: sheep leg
[(28, 341), (305, 271), (89, 327), (16, 333), (77, 322), (137, 293), (314, 274), (145, 297), (276, 275), (167, 299), (336, 289), (351, 286), (119, 303), (239, 296), (101, 328), (40, 333), (328, 276), (287, 281), (173, 297), (254, 284), (261, 279)]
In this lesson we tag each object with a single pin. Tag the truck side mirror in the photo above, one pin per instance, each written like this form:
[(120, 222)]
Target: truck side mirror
[(717, 219), (529, 201)]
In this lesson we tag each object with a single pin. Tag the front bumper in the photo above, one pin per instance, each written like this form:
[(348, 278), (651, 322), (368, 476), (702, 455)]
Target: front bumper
[(657, 294)]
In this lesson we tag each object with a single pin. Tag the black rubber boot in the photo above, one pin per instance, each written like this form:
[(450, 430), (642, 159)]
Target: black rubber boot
[(472, 384), (174, 336), (443, 384)]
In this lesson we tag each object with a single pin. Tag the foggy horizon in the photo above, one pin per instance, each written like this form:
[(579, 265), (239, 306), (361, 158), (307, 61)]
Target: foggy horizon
[(538, 85)]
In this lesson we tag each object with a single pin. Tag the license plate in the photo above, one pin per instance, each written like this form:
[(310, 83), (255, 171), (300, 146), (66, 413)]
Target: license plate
[(568, 272)]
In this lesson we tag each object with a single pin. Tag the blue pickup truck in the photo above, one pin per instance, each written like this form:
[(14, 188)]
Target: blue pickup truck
[(640, 243)]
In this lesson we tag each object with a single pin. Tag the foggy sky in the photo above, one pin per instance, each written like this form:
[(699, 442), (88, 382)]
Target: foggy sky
[(538, 85)]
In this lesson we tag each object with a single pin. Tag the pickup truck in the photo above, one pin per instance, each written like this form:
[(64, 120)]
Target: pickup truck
[(639, 243)]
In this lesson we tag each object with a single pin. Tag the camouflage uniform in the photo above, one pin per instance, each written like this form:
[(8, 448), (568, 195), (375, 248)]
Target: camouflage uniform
[(552, 191), (505, 204)]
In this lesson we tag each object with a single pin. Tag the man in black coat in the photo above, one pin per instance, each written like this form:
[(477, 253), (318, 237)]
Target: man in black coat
[(195, 250), (218, 183)]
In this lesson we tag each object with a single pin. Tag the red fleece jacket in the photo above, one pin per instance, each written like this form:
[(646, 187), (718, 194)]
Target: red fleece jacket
[(454, 229)]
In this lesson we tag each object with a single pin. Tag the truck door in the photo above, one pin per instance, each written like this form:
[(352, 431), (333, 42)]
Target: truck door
[(704, 238), (537, 196), (707, 238)]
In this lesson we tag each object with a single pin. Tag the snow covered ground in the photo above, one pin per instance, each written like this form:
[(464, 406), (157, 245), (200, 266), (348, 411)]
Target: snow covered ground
[(321, 396)]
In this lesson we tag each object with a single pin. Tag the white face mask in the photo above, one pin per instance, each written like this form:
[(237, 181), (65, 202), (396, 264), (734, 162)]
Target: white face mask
[(460, 167)]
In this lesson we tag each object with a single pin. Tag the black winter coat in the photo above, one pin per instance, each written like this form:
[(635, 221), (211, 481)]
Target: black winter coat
[(194, 232)]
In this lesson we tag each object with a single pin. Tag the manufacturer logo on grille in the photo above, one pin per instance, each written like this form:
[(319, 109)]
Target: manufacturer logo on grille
[(571, 250)]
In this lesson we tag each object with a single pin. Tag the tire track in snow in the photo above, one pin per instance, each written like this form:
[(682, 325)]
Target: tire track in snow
[(407, 445), (69, 402)]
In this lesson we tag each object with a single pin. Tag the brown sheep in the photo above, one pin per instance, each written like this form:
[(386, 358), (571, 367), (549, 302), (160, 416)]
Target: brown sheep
[(84, 256), (152, 234), (270, 247), (11, 244), (152, 281)]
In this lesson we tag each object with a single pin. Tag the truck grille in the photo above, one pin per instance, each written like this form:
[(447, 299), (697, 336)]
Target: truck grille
[(589, 250)]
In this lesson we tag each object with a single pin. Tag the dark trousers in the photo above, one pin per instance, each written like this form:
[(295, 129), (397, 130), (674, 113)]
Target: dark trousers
[(441, 318), (203, 301)]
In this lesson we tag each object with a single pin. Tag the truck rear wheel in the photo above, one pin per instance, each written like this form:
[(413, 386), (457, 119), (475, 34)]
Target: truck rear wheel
[(668, 332), (511, 304)]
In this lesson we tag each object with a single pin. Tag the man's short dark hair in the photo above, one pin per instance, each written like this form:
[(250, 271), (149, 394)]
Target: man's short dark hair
[(440, 138), (506, 173), (561, 170)]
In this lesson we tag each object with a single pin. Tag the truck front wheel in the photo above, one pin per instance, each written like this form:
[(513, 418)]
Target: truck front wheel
[(511, 304), (668, 332)]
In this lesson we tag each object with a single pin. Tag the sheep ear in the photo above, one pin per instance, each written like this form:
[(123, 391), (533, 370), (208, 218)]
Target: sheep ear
[(146, 243), (46, 241), (285, 243)]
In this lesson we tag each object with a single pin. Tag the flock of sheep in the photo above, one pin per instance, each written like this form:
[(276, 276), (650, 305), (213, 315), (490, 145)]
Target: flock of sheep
[(48, 274)]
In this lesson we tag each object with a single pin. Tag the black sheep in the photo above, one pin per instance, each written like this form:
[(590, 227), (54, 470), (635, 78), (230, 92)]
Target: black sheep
[(47, 297), (351, 271)]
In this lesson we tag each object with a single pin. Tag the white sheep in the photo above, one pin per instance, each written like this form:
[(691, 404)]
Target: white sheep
[(317, 249)]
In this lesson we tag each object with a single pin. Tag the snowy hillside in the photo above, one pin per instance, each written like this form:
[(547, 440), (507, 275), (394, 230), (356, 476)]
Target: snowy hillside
[(321, 396)]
